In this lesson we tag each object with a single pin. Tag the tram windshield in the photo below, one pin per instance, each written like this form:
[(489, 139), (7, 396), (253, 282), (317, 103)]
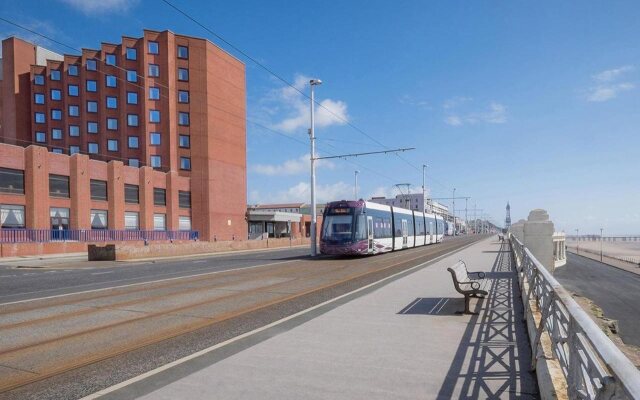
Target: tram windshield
[(337, 227)]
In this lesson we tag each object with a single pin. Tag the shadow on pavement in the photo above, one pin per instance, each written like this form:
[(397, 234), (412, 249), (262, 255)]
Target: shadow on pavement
[(493, 358), (434, 306)]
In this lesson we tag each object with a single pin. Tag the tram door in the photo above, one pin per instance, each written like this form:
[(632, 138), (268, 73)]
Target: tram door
[(405, 233), (430, 232), (370, 233)]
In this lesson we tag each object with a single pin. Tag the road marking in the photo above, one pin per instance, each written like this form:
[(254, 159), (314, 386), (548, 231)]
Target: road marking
[(101, 273), (131, 284), (200, 261), (258, 330)]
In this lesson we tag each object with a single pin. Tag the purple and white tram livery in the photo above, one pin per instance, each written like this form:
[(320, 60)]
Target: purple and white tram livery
[(361, 228)]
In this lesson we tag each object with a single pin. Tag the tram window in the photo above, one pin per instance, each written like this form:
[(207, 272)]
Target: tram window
[(361, 227)]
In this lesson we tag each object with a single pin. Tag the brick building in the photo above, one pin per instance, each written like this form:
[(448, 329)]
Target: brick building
[(160, 112)]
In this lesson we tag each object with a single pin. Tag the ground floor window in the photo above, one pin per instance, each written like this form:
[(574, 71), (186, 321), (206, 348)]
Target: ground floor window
[(59, 218), (99, 219), (11, 216), (131, 220), (159, 222), (184, 223)]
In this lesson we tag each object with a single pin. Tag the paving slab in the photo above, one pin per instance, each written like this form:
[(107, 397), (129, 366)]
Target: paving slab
[(403, 340)]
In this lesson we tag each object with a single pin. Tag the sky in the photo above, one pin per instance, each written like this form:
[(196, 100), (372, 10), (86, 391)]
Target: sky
[(535, 103)]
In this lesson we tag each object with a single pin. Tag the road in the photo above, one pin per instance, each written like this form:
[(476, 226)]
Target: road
[(87, 331), (614, 290)]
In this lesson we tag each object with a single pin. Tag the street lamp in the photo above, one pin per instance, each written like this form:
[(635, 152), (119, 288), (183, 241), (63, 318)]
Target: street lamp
[(314, 218), (577, 241), (600, 244), (355, 187), (424, 188), (454, 211)]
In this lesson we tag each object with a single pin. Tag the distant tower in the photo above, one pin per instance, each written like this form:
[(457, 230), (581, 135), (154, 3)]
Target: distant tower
[(507, 220)]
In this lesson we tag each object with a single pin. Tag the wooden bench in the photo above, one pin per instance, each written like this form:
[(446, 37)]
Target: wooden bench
[(466, 285)]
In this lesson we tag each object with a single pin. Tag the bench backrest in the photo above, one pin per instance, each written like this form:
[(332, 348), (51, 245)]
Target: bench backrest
[(460, 272)]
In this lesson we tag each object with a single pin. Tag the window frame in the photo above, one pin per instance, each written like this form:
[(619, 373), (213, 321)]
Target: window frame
[(153, 45), (159, 196), (18, 176), (185, 70), (96, 188), (65, 181)]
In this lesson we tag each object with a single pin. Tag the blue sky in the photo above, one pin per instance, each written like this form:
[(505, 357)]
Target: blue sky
[(531, 102)]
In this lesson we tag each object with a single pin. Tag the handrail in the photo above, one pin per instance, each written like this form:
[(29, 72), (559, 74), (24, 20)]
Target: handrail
[(91, 235), (591, 363)]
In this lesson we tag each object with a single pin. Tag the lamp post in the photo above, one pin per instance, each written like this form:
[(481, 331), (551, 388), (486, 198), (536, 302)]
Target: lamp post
[(454, 211), (314, 218), (355, 187), (577, 241), (424, 189), (600, 244)]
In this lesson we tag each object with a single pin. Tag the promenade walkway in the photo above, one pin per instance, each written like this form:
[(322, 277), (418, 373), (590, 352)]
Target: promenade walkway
[(399, 340)]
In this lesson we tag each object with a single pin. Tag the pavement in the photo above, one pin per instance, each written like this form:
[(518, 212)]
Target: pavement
[(396, 338), (614, 290)]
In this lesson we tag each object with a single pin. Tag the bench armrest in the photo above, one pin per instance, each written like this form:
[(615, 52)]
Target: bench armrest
[(474, 285)]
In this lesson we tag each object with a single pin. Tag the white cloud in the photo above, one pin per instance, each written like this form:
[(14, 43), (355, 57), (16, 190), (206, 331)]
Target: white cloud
[(608, 84), (41, 26), (96, 7), (301, 192), (290, 167), (411, 101), (455, 102), (295, 107), (496, 113)]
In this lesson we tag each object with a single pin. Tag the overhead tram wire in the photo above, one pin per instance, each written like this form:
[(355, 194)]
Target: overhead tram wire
[(160, 84), (283, 80)]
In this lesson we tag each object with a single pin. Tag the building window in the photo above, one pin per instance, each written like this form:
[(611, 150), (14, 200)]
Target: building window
[(183, 74), (132, 119), (38, 80), (159, 222), (74, 130), (74, 111), (92, 86), (131, 219), (59, 186), (56, 114), (132, 98), (185, 141), (59, 218), (98, 190), (185, 163), (112, 102), (132, 53), (112, 145), (154, 70), (159, 197), (41, 137), (131, 194), (92, 127), (40, 118), (154, 93), (154, 116), (92, 106), (183, 52), (133, 142), (38, 98), (134, 162), (73, 90), (56, 133), (183, 96), (154, 138), (93, 148), (110, 59), (132, 76), (184, 199), (72, 70), (92, 65), (152, 47), (184, 223), (99, 219), (183, 118), (156, 162), (11, 181), (56, 94), (74, 150), (112, 124), (111, 81), (54, 75), (57, 150), (11, 216)]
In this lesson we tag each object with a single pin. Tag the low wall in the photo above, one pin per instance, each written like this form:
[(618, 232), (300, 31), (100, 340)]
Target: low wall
[(128, 251), (39, 249)]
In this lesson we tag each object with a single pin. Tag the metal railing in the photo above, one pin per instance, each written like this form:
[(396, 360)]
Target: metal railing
[(90, 235), (593, 366)]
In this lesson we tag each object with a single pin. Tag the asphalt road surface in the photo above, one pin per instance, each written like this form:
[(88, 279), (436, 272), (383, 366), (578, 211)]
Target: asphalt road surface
[(616, 291), (70, 333)]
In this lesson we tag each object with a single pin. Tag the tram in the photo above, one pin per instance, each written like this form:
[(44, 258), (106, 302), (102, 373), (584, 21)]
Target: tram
[(362, 228)]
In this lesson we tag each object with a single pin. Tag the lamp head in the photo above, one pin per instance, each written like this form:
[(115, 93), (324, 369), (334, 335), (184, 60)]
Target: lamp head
[(315, 82)]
